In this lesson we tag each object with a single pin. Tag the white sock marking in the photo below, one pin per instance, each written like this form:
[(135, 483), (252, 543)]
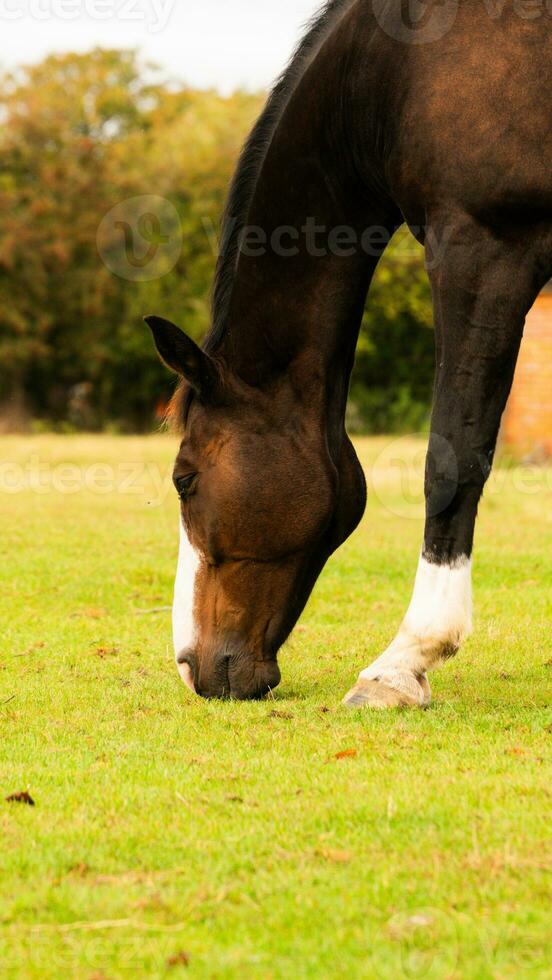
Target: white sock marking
[(441, 606), (438, 619), (183, 616)]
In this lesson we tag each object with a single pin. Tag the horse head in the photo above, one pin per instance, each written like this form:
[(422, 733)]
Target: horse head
[(263, 503)]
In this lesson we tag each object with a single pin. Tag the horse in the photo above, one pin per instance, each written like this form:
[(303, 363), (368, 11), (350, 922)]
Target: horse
[(437, 115)]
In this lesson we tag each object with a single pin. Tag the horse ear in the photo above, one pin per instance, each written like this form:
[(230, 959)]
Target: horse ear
[(181, 354)]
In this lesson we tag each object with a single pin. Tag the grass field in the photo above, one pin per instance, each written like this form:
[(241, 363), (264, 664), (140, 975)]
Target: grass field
[(284, 839)]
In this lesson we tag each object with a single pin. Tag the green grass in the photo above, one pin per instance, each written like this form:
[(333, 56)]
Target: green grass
[(231, 832)]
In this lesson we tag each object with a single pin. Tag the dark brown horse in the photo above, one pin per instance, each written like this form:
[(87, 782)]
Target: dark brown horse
[(438, 115)]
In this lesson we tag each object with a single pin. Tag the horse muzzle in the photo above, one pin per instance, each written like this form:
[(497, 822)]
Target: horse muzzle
[(228, 675)]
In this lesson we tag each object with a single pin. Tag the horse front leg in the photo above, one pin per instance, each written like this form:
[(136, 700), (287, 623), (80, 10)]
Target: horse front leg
[(482, 291)]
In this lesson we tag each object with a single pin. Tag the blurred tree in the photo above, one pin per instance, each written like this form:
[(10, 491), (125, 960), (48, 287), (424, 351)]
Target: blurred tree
[(80, 134), (62, 119)]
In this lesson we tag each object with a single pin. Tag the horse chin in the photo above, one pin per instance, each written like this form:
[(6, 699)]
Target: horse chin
[(252, 682)]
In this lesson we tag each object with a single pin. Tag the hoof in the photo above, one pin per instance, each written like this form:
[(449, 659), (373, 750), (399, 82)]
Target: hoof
[(378, 694)]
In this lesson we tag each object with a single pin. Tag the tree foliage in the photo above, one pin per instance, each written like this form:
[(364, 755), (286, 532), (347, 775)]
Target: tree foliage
[(83, 132)]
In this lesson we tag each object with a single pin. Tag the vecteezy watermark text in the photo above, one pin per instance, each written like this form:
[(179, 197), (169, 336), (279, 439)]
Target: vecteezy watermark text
[(153, 14), (340, 241), (140, 239), (395, 477), (149, 481)]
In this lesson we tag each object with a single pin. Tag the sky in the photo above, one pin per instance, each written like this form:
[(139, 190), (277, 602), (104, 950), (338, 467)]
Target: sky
[(225, 44)]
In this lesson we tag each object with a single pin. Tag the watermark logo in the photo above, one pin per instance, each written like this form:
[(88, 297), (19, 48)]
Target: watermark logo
[(416, 21), (427, 942), (396, 477), (140, 239), (427, 21)]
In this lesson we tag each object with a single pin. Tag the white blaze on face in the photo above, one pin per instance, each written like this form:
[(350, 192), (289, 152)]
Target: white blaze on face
[(438, 619), (183, 618)]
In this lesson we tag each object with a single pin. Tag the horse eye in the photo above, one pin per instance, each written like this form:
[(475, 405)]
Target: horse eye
[(185, 485)]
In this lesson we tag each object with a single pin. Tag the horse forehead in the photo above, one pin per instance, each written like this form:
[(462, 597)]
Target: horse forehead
[(202, 434), (227, 426)]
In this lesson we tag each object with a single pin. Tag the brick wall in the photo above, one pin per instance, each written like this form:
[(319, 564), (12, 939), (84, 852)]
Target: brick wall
[(527, 424)]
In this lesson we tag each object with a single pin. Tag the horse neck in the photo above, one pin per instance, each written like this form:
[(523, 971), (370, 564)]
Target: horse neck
[(307, 305)]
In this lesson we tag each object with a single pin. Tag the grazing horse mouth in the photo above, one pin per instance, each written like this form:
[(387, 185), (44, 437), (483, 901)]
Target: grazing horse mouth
[(233, 677)]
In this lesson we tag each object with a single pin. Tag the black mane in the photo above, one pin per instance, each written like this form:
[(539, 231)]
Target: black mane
[(251, 161)]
